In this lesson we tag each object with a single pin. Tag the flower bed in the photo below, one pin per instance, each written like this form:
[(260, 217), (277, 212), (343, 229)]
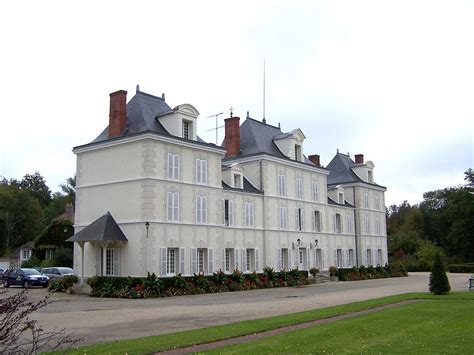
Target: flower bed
[(371, 272), (153, 286)]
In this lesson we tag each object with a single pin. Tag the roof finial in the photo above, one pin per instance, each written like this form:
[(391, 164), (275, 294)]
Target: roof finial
[(231, 113), (337, 150), (248, 115), (279, 125), (138, 88), (163, 96)]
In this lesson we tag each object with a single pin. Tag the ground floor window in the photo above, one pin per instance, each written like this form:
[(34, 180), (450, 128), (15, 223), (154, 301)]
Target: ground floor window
[(351, 258), (172, 261), (339, 262), (112, 262), (379, 257), (249, 260), (48, 254), (201, 261), (319, 259), (369, 257), (229, 260), (171, 256), (283, 259)]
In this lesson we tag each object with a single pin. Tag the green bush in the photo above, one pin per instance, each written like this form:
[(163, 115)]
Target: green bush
[(461, 268), (31, 262), (333, 271), (362, 273), (63, 284), (439, 283)]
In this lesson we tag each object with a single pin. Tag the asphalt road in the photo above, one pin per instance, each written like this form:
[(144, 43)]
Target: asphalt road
[(102, 319)]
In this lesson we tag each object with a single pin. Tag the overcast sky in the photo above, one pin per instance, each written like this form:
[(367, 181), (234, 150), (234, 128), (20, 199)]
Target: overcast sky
[(393, 80)]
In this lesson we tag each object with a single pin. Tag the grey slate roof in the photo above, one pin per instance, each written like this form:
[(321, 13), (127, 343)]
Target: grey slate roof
[(104, 228), (248, 187), (332, 202), (341, 171)]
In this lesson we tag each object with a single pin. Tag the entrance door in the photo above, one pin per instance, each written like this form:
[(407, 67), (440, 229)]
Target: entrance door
[(301, 259)]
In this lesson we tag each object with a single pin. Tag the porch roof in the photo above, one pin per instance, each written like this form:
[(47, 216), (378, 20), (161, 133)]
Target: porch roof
[(104, 228)]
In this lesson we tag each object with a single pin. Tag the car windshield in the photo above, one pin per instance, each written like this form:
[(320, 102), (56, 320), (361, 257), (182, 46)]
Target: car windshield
[(65, 270), (31, 272)]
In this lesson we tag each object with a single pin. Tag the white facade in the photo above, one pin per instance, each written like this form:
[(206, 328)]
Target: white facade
[(196, 223)]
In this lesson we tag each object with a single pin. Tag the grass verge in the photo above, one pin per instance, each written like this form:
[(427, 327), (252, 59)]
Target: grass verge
[(205, 335)]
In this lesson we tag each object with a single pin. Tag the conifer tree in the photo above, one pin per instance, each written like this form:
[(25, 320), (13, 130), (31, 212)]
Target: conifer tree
[(439, 284)]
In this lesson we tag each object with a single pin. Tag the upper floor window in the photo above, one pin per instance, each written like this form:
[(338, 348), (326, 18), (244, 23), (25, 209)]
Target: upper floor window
[(349, 224), (376, 201), (299, 219), (187, 129), (283, 218), (299, 188), (201, 209), (173, 206), (249, 214), (201, 171), (340, 197), (238, 181), (173, 166), (297, 152), (378, 226), (228, 212), (281, 185), (315, 191), (337, 221), (317, 223), (366, 200), (366, 224)]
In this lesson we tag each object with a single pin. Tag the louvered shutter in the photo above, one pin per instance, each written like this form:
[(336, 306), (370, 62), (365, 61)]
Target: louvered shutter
[(231, 212), (170, 206), (223, 212), (204, 171), (257, 260), (223, 260), (308, 259), (236, 259), (204, 209), (302, 219), (335, 257), (334, 222), (176, 206), (313, 220), (116, 262), (279, 260), (98, 261), (176, 167), (198, 171), (193, 261), (296, 219), (170, 166), (365, 257), (290, 259), (181, 261), (323, 259), (243, 254), (210, 261), (163, 261)]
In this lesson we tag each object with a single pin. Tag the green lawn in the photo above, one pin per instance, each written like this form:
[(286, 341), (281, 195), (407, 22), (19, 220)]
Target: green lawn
[(204, 335), (422, 327)]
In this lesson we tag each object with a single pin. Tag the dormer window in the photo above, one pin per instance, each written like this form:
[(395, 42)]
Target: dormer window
[(187, 130), (370, 176), (297, 152), (238, 181), (341, 198)]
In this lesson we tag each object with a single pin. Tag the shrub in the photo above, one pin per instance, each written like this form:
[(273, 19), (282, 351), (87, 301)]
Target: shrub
[(31, 262), (333, 271), (461, 268), (269, 273), (439, 284), (314, 271)]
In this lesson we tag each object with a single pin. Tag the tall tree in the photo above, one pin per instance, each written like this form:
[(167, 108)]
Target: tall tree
[(36, 185)]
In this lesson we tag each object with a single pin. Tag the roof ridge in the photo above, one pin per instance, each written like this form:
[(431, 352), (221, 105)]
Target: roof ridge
[(149, 96), (263, 124)]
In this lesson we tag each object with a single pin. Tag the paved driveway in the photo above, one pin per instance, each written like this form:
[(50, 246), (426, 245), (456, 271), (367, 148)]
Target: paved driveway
[(102, 319)]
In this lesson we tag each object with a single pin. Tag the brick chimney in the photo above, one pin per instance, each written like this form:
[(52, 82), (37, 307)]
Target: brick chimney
[(359, 158), (232, 136), (315, 159), (118, 110)]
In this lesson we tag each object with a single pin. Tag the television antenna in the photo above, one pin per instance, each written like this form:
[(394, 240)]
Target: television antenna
[(217, 125)]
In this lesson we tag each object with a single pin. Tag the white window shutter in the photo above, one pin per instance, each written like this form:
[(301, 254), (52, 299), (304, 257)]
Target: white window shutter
[(302, 219), (176, 206), (116, 264), (290, 259), (313, 220), (169, 165), (296, 219), (181, 261), (323, 259), (204, 170), (210, 261), (204, 200), (198, 171), (223, 259), (193, 261), (223, 212), (308, 259), (279, 260), (334, 222), (98, 261), (169, 203), (163, 261), (365, 257), (231, 212), (335, 257), (176, 167), (243, 254), (257, 260), (236, 259)]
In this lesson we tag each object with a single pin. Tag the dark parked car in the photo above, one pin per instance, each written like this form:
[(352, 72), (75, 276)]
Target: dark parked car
[(25, 277), (57, 272)]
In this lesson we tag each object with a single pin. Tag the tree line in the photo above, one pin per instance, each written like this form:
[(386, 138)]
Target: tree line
[(27, 207), (443, 222)]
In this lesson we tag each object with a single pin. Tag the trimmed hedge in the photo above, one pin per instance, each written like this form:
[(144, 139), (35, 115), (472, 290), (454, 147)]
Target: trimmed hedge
[(153, 286), (371, 272), (461, 268)]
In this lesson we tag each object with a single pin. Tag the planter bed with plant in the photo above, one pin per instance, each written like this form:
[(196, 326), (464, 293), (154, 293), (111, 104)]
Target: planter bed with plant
[(153, 286), (370, 272)]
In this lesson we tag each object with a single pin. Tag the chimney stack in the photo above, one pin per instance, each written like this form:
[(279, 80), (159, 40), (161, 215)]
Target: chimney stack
[(315, 159), (359, 158), (232, 136), (118, 111)]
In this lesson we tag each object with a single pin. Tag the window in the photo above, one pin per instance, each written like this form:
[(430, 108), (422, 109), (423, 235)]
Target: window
[(351, 258), (249, 214), (369, 257), (187, 131), (249, 264), (173, 166), (376, 201), (173, 206), (228, 212), (48, 254), (378, 227), (366, 200), (201, 171), (319, 259), (201, 260), (171, 261), (299, 219), (228, 260), (337, 223), (283, 218), (297, 152), (281, 185), (366, 224), (315, 191), (379, 257), (201, 209), (238, 181), (26, 254), (370, 176), (338, 260), (299, 188), (317, 225), (283, 259), (349, 224), (340, 198), (112, 262)]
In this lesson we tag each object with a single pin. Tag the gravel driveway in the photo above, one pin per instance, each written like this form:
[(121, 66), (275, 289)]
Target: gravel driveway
[(102, 319)]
